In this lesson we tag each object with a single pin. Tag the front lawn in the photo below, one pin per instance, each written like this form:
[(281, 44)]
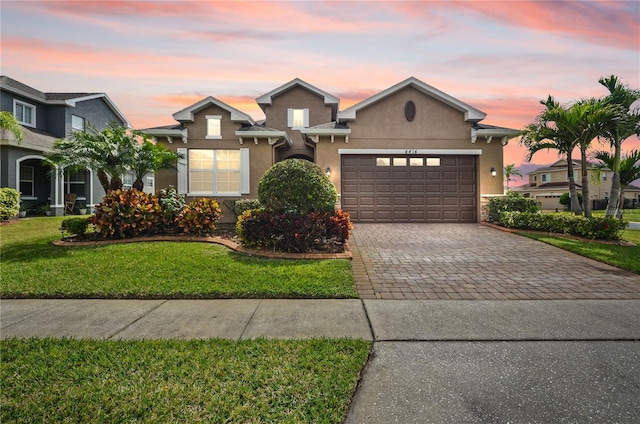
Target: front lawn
[(632, 215), (626, 257), (33, 267), (214, 381)]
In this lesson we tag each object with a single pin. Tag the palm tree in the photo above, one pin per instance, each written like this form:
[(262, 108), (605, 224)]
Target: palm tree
[(628, 125), (629, 170), (545, 133), (151, 157), (9, 123), (585, 121), (509, 171), (110, 152)]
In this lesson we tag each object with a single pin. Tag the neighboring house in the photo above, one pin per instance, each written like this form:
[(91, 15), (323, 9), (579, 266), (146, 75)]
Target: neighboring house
[(45, 118), (410, 153), (548, 183)]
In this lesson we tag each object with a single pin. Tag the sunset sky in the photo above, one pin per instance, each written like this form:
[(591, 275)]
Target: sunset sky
[(155, 58)]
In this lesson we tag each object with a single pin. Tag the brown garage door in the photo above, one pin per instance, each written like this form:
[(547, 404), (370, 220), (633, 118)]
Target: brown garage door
[(409, 188)]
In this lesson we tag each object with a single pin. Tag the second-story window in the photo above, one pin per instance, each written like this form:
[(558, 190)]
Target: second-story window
[(214, 129), (298, 118), (604, 176), (77, 123), (546, 178), (24, 113)]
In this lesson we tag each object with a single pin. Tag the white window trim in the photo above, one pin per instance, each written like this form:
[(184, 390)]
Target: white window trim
[(84, 123), (32, 181), (214, 137), (23, 104), (305, 119), (245, 172)]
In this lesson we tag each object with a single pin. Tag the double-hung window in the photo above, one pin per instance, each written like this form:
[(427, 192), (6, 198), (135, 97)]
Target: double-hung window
[(27, 179), (214, 171), (546, 178), (24, 113), (77, 123), (214, 130), (297, 118), (75, 183)]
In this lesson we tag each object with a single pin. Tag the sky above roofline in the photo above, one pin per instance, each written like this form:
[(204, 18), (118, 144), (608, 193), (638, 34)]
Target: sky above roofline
[(155, 58)]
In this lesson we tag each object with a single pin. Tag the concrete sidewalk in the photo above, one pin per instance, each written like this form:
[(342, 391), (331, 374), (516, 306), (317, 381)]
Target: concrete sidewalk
[(378, 320), (432, 361)]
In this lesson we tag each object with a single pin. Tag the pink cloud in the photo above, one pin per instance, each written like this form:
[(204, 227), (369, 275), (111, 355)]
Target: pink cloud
[(605, 23)]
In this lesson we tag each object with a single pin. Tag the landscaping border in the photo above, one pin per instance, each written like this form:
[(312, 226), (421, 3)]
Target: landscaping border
[(567, 236), (217, 240)]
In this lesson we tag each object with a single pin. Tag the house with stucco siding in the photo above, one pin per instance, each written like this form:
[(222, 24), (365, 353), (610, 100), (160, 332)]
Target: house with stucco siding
[(410, 153)]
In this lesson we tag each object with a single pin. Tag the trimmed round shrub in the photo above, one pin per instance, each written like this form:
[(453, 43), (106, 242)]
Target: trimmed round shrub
[(296, 186), (199, 217), (9, 203), (127, 213)]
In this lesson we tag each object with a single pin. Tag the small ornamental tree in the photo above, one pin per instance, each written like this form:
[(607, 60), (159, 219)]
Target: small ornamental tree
[(296, 186)]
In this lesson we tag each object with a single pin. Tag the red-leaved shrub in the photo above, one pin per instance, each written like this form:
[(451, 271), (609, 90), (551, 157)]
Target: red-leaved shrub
[(199, 217), (127, 213)]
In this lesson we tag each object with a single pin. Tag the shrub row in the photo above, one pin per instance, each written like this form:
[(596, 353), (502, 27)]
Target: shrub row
[(75, 226), (512, 202), (292, 232), (133, 213), (565, 223)]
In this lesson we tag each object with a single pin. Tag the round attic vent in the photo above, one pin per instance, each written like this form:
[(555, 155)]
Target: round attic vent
[(410, 111)]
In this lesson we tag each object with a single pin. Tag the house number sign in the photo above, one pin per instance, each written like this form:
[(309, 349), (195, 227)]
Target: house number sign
[(411, 151)]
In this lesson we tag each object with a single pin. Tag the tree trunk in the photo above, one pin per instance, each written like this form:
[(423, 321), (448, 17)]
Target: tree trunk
[(575, 203), (586, 199), (138, 184), (613, 206), (116, 183), (104, 180), (621, 205)]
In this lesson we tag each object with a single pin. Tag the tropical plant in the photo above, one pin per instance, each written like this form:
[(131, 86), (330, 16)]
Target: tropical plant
[(200, 216), (511, 171), (127, 213), (629, 124), (112, 152), (9, 123), (544, 133), (565, 128), (150, 157), (629, 171)]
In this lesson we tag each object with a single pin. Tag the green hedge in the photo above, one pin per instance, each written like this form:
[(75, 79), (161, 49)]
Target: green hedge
[(75, 226), (565, 223), (512, 202)]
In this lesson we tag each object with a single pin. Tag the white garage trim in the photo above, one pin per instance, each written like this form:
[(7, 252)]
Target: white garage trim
[(476, 152)]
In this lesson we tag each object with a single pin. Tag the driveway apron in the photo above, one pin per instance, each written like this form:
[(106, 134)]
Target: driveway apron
[(472, 261)]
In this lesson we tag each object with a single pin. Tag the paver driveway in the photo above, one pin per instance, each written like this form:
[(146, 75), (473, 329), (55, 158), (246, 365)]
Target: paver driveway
[(472, 261)]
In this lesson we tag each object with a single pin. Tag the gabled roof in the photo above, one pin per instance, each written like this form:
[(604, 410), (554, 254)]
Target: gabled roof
[(561, 164), (266, 99), (66, 99), (186, 114), (470, 113)]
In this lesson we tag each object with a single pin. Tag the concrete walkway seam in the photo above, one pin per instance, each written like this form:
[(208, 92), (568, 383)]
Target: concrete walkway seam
[(115, 333)]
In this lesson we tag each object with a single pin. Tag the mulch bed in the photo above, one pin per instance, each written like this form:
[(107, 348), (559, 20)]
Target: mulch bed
[(224, 234)]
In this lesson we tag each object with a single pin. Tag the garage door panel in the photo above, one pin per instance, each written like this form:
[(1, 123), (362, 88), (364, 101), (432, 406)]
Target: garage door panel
[(441, 189)]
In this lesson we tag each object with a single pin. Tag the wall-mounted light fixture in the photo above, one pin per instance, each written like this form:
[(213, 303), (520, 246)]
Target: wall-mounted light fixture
[(493, 172), (328, 172)]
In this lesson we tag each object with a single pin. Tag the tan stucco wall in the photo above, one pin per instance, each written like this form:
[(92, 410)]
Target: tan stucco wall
[(296, 98), (436, 126)]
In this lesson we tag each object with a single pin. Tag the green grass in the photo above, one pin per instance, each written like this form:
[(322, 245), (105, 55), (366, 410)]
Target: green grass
[(626, 257), (213, 381), (33, 267), (628, 214)]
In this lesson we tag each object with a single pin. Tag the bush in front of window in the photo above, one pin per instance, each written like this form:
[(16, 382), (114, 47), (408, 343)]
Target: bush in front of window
[(296, 186), (127, 213), (292, 232), (512, 202), (199, 217), (9, 203), (242, 205), (565, 223)]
